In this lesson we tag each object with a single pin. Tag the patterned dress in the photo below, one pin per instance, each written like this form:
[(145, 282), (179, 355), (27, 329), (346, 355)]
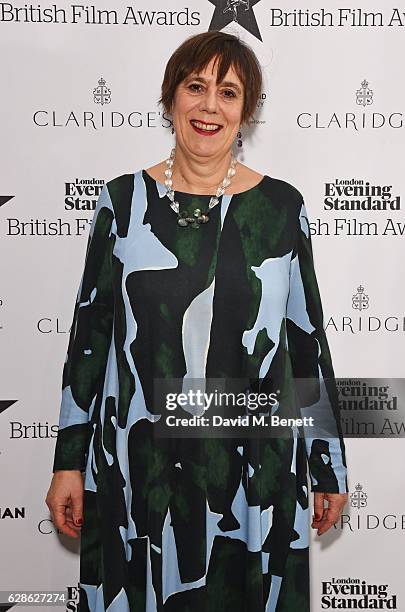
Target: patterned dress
[(208, 524)]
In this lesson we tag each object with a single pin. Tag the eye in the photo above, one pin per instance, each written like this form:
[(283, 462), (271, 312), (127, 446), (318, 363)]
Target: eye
[(231, 92), (194, 85)]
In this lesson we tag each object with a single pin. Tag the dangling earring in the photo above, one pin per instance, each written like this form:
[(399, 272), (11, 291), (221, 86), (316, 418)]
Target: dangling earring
[(239, 138), (172, 129)]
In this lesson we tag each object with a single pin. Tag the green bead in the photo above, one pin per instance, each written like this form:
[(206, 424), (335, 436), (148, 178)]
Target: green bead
[(195, 224), (183, 214)]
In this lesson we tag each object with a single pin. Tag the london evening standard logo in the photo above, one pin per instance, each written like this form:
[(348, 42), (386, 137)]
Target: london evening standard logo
[(82, 193), (352, 119), (361, 208), (359, 194), (356, 594)]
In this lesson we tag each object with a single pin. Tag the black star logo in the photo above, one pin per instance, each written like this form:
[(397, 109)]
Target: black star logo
[(240, 11), (4, 404), (4, 199)]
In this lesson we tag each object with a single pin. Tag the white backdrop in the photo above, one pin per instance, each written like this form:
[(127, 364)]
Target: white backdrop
[(332, 110)]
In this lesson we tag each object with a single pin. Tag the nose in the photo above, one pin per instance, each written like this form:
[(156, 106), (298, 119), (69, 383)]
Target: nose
[(208, 101)]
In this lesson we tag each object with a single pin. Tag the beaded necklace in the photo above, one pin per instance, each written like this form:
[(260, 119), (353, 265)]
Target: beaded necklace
[(197, 217)]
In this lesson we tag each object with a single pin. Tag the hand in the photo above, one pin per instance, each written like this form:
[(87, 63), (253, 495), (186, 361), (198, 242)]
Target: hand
[(65, 501), (324, 518)]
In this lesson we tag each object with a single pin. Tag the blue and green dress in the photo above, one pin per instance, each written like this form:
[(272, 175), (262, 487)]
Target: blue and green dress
[(203, 524)]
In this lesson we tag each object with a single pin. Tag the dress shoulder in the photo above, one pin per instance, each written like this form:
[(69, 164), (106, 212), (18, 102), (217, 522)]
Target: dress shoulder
[(285, 190), (120, 180), (121, 191), (284, 200)]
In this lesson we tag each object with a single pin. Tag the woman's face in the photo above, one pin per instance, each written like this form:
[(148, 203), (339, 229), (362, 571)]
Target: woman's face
[(199, 99)]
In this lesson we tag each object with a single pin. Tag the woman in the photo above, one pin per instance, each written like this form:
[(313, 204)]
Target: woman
[(190, 275)]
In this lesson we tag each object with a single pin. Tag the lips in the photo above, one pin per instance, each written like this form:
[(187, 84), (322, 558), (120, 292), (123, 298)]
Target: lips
[(206, 122), (202, 131)]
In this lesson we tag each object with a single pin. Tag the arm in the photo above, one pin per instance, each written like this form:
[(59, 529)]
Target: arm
[(89, 342), (311, 359)]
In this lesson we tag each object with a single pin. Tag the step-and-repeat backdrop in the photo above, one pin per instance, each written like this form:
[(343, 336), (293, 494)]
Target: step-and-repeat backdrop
[(79, 91)]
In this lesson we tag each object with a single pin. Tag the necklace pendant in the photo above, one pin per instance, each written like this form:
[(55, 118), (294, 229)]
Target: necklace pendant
[(185, 220), (196, 218), (213, 202)]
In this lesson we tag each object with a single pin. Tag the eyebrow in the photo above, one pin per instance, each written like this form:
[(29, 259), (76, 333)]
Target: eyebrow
[(223, 83)]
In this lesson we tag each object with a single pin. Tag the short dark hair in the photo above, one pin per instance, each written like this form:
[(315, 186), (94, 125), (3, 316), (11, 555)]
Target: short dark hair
[(195, 53)]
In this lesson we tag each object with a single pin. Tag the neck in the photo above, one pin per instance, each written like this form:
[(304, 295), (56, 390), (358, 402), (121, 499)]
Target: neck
[(199, 174)]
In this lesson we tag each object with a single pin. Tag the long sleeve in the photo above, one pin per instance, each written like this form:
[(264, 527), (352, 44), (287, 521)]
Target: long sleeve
[(312, 367), (89, 341)]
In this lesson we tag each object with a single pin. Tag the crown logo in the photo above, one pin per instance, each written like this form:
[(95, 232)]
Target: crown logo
[(101, 93), (360, 301), (358, 499), (364, 95)]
